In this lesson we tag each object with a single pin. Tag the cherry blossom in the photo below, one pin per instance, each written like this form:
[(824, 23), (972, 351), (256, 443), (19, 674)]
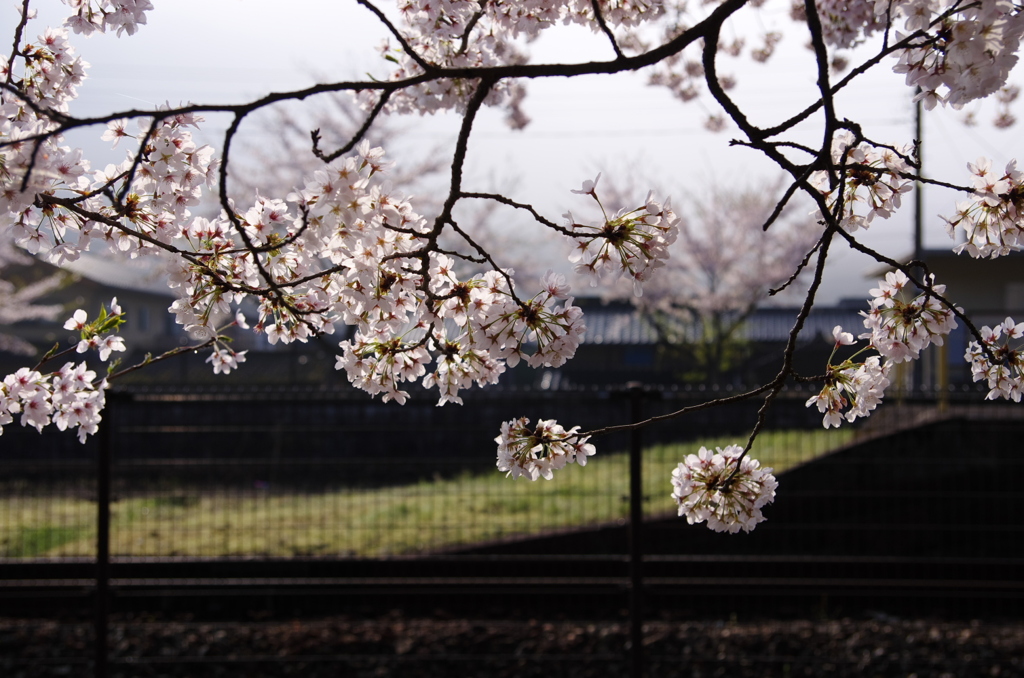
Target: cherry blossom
[(589, 187), (873, 181), (954, 51), (990, 219), (724, 488), (224, 360), (852, 390), (67, 398), (631, 243), (999, 363), (538, 452), (77, 321), (842, 338), (99, 334), (901, 329), (122, 16)]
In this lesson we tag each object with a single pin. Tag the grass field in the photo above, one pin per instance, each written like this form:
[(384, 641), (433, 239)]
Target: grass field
[(424, 516)]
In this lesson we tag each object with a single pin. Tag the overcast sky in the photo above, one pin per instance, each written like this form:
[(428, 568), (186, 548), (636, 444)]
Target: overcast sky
[(221, 51)]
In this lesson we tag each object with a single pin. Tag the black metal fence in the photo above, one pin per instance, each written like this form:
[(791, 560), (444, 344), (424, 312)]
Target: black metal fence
[(274, 474), (266, 498)]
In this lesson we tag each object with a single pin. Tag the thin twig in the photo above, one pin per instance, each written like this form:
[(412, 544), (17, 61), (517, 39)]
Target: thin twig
[(164, 356), (522, 206), (17, 39), (357, 137), (678, 413), (596, 7), (413, 54)]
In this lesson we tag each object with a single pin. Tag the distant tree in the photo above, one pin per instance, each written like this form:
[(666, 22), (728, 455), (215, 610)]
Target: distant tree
[(721, 268), (275, 154), (276, 160)]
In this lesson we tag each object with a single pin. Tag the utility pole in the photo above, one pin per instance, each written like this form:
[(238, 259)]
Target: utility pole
[(918, 186), (917, 370)]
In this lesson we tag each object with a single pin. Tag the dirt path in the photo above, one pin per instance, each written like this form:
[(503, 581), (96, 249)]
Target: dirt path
[(411, 648)]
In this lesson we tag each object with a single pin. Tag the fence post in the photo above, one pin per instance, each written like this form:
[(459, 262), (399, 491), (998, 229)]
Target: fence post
[(636, 518), (103, 535)]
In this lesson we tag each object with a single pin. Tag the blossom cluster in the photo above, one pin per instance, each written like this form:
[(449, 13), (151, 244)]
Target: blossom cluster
[(966, 52), (342, 248), (999, 362), (49, 80), (224, 360), (122, 16), (480, 34), (631, 243), (98, 335), (155, 194), (67, 398), (852, 390), (899, 329), (957, 51), (991, 219), (474, 327), (843, 24), (539, 451), (725, 488), (871, 182)]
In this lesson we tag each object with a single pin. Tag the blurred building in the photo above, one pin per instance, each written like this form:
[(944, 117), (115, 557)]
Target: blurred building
[(621, 343)]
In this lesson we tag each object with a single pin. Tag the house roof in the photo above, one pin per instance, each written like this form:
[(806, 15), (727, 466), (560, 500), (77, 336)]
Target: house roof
[(135, 274)]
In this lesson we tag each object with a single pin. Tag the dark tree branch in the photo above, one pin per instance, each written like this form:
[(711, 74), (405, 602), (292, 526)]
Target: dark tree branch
[(711, 25), (413, 54), (471, 25), (821, 58), (799, 269), (599, 17), (776, 385), (483, 88), (357, 137), (780, 206), (523, 206), (163, 356), (17, 40), (678, 413), (129, 176)]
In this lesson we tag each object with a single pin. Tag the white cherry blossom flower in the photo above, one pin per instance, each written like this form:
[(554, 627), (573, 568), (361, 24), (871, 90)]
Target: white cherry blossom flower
[(77, 321), (224, 361), (109, 343), (842, 338), (115, 131), (589, 187), (632, 243)]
